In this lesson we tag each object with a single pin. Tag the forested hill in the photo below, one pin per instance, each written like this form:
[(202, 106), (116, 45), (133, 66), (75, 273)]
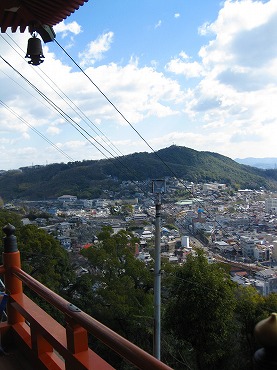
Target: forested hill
[(86, 179)]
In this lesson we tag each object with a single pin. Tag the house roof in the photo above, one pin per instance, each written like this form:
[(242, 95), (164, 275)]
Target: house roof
[(88, 245), (19, 14)]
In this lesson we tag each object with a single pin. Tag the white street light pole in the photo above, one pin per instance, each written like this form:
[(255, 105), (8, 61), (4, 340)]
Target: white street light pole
[(158, 188)]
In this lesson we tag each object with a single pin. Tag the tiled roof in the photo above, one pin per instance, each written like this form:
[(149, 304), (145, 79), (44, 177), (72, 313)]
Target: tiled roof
[(19, 14)]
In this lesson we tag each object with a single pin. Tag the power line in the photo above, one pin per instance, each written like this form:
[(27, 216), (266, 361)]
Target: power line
[(108, 100), (129, 123), (73, 123), (133, 128), (35, 130), (77, 110)]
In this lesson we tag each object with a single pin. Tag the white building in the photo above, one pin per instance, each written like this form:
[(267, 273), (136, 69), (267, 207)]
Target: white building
[(185, 241), (261, 252), (271, 205), (89, 203), (223, 246), (274, 249), (139, 216), (145, 257), (67, 198), (213, 186), (266, 281), (247, 245), (146, 235), (101, 203)]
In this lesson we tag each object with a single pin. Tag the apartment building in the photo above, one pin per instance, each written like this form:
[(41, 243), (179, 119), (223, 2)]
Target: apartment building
[(271, 205)]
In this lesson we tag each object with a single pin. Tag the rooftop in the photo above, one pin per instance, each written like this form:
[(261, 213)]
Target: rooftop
[(20, 14)]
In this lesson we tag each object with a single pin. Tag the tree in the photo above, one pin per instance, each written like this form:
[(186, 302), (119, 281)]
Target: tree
[(249, 311), (200, 311), (251, 307), (118, 291), (127, 209), (8, 217), (41, 256)]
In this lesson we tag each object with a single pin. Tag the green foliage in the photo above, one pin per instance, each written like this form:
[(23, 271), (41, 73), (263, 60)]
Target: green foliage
[(251, 308), (32, 215), (118, 292), (249, 311), (200, 233), (207, 323), (200, 311), (127, 209), (43, 257), (41, 254), (182, 194), (170, 226), (87, 179), (7, 217), (210, 318)]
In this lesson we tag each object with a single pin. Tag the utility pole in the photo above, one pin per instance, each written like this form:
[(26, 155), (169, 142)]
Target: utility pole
[(158, 188)]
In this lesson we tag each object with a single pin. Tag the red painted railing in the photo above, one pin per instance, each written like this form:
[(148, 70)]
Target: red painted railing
[(46, 342)]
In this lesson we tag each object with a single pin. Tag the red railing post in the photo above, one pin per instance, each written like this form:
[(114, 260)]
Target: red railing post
[(39, 344), (11, 258), (76, 336)]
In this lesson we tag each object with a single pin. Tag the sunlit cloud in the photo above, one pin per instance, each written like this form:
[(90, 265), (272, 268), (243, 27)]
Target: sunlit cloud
[(218, 95), (95, 49), (68, 28), (158, 24), (181, 66), (52, 130)]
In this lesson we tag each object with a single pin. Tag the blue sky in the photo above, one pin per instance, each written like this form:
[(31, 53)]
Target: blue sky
[(194, 73)]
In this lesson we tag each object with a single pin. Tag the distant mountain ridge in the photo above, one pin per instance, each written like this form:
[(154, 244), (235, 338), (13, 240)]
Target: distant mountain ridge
[(87, 179), (264, 163)]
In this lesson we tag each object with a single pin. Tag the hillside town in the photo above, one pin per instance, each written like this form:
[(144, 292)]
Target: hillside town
[(236, 227)]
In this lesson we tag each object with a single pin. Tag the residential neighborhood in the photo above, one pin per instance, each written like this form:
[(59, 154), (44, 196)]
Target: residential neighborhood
[(235, 227)]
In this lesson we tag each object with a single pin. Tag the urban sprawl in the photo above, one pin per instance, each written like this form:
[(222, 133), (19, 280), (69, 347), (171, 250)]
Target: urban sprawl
[(236, 227)]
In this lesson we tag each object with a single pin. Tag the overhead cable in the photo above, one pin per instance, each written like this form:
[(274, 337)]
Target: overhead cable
[(35, 130)]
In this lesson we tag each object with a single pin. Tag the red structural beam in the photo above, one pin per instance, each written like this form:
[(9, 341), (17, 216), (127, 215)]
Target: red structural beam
[(23, 13), (118, 344)]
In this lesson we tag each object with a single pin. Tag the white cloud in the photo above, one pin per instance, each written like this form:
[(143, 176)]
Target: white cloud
[(204, 29), (26, 136), (226, 103), (158, 24), (182, 66), (67, 28), (52, 130), (177, 15), (184, 55), (95, 49), (238, 69), (138, 92)]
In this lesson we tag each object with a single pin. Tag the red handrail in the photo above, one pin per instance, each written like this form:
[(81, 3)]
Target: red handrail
[(118, 344)]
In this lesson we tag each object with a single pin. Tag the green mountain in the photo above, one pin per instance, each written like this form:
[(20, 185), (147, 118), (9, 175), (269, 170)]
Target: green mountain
[(87, 179)]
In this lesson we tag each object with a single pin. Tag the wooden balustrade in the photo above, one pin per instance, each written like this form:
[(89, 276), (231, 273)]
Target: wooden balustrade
[(49, 344)]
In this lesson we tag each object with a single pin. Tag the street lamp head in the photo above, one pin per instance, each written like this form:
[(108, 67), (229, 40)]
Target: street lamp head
[(158, 186)]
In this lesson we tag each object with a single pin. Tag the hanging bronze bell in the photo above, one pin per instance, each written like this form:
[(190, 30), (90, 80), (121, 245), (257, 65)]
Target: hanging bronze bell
[(34, 51)]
